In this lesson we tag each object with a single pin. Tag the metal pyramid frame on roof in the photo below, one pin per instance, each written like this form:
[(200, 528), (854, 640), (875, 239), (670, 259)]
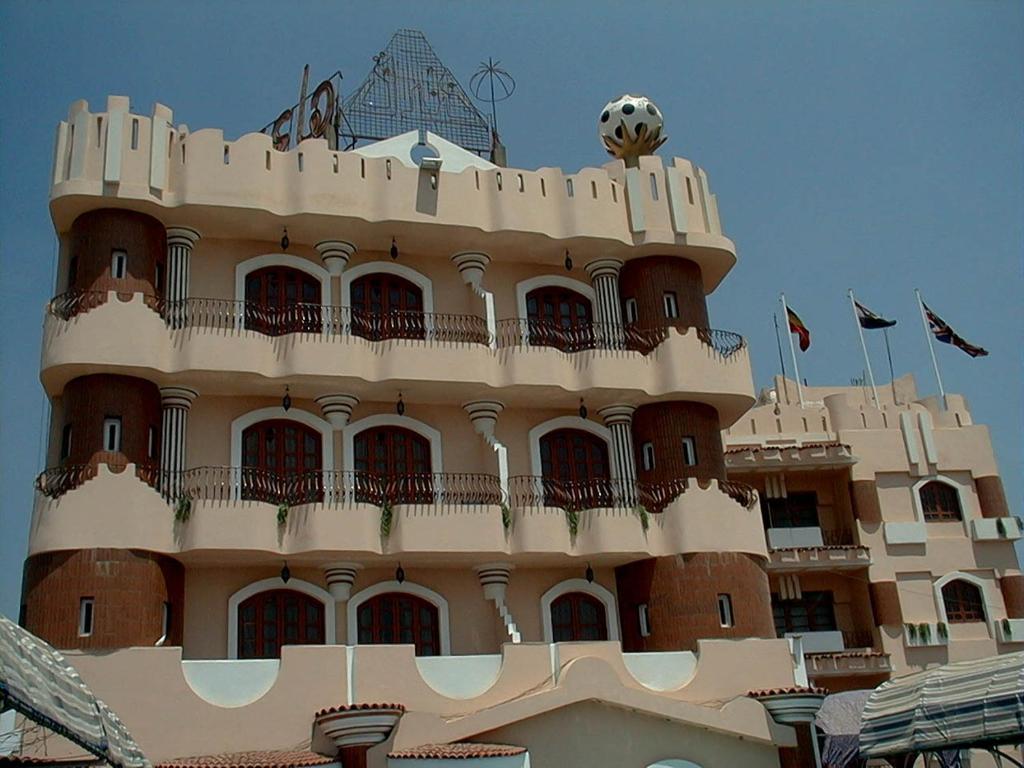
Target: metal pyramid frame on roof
[(410, 88)]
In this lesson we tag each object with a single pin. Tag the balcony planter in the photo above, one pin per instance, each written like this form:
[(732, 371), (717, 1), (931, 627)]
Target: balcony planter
[(906, 533), (925, 634), (997, 529)]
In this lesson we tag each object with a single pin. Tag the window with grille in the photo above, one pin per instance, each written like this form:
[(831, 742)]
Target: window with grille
[(400, 618), (118, 264), (689, 452), (577, 616), (797, 510), (112, 434), (725, 610), (65, 442), (812, 612), (963, 602), (631, 311), (671, 304), (270, 620), (647, 456), (940, 501), (86, 606)]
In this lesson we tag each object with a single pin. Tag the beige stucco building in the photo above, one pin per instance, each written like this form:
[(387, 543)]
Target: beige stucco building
[(358, 455)]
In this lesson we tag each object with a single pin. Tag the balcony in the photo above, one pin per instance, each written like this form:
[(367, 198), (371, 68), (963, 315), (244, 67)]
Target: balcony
[(838, 653), (525, 358), (792, 550), (470, 515)]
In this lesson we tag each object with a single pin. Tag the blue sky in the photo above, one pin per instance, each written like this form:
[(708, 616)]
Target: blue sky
[(873, 146)]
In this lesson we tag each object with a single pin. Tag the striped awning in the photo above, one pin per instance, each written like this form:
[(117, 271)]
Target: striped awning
[(960, 705)]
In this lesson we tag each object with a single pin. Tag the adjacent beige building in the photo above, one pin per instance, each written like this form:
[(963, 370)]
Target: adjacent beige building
[(391, 460)]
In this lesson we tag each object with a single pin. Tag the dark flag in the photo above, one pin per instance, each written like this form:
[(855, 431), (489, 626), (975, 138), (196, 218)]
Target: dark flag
[(941, 330), (796, 325), (869, 319)]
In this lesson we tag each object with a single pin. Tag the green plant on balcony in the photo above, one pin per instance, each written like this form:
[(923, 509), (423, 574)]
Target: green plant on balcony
[(645, 518), (572, 519), (386, 517), (282, 513), (925, 631), (1020, 524), (182, 509), (1007, 629), (943, 631), (1001, 527), (911, 632), (506, 516)]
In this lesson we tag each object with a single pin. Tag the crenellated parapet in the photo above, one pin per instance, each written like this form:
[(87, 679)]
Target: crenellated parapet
[(609, 212)]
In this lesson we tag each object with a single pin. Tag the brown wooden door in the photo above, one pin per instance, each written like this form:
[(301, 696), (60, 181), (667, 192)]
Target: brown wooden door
[(577, 616), (280, 300), (385, 306), (393, 464), (560, 317), (279, 617), (575, 469), (400, 618), (282, 463)]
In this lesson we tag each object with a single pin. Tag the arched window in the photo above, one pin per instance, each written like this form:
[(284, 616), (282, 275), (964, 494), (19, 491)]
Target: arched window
[(578, 616), (280, 300), (269, 620), (393, 464), (386, 306), (575, 469), (560, 317), (964, 602), (400, 618), (940, 501), (282, 462)]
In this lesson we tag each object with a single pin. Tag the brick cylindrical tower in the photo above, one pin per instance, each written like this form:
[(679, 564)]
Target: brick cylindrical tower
[(652, 281), (96, 239), (683, 595), (664, 427), (136, 598)]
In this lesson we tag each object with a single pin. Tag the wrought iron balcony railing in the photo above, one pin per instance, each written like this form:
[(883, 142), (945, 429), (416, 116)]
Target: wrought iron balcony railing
[(533, 491), (229, 314), (54, 482)]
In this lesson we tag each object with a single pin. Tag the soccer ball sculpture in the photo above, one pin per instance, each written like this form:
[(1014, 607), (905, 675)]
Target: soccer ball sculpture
[(630, 126)]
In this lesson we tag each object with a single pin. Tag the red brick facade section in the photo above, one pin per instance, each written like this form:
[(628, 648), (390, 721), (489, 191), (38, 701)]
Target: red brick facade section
[(647, 279), (866, 508), (681, 594), (1013, 595), (991, 497), (885, 603), (96, 234), (665, 425), (129, 588), (89, 400)]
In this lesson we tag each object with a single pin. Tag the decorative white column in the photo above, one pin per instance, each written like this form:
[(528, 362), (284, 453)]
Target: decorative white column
[(176, 402), (340, 578), (494, 579), (619, 420), (604, 275), (335, 255), (484, 415), (180, 242), (471, 266)]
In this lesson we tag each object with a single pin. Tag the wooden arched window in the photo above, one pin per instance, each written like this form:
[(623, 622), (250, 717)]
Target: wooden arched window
[(560, 317), (393, 464), (278, 617), (280, 300), (282, 462), (400, 618), (575, 469), (386, 306), (940, 501), (578, 616), (964, 602)]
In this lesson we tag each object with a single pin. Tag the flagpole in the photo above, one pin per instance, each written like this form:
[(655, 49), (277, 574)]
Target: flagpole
[(792, 350), (782, 360), (892, 374), (931, 346), (864, 348)]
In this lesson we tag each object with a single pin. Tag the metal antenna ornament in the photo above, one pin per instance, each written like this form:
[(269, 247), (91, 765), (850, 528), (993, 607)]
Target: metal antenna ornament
[(492, 84)]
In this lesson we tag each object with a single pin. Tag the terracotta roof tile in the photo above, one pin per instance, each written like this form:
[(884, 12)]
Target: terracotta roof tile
[(463, 751), (794, 689), (258, 759), (357, 707)]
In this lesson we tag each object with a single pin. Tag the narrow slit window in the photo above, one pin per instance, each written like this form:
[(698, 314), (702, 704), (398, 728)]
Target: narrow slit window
[(268, 160), (498, 177), (522, 183), (631, 310), (593, 189), (644, 617), (112, 434), (689, 451), (65, 442), (362, 167), (335, 161), (671, 304), (725, 610), (72, 271), (301, 162), (654, 187), (543, 188), (165, 624), (477, 176), (615, 194), (99, 131), (85, 616), (182, 154), (647, 456), (135, 133), (568, 187), (159, 278), (118, 264), (227, 155), (151, 443), (387, 169), (689, 190)]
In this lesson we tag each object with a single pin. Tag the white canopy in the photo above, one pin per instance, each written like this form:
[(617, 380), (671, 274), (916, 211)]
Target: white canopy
[(966, 704), (37, 681)]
